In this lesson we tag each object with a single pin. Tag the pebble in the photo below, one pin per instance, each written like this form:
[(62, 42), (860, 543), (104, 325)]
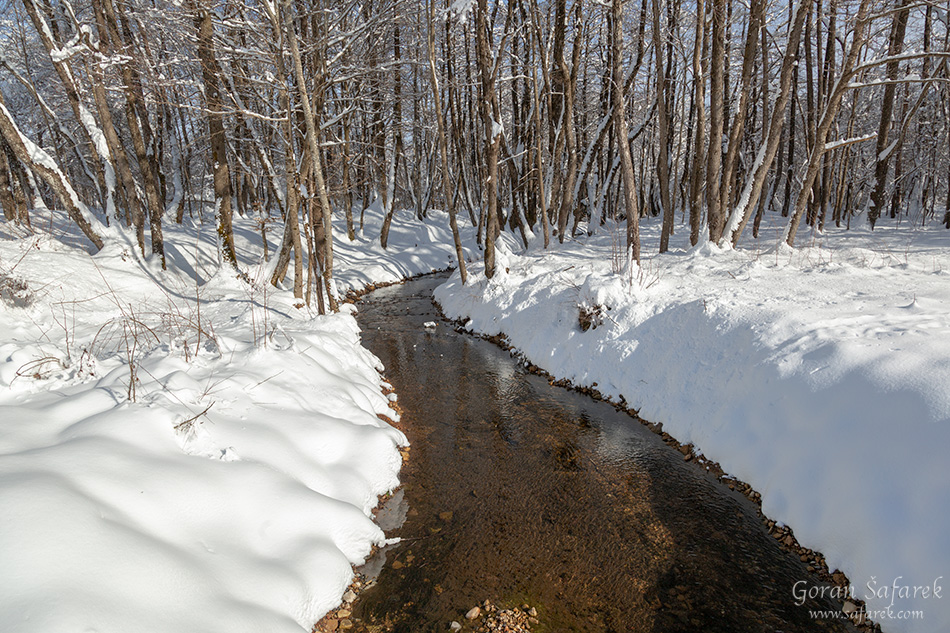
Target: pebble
[(343, 613), (455, 626), (346, 624), (349, 597), (473, 613)]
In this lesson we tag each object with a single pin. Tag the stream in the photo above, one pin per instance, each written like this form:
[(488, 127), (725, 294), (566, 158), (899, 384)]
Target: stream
[(521, 492)]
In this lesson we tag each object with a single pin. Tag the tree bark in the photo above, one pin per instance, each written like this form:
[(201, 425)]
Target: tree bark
[(487, 97), (699, 142), (620, 124), (43, 164), (883, 151), (210, 72), (443, 140), (717, 63), (749, 198), (316, 166), (827, 118), (663, 126)]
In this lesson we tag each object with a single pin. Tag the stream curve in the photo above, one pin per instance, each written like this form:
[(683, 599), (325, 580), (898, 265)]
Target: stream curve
[(521, 492)]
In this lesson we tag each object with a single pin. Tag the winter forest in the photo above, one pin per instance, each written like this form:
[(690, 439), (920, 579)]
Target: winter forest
[(508, 113), (474, 315)]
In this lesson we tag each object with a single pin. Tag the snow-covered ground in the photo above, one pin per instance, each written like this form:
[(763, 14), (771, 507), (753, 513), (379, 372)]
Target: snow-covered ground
[(181, 451), (233, 493), (820, 375)]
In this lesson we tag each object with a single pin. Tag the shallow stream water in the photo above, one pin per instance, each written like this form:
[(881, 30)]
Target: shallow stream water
[(525, 493)]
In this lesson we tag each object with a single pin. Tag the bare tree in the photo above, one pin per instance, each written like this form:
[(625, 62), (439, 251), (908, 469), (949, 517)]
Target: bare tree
[(620, 124)]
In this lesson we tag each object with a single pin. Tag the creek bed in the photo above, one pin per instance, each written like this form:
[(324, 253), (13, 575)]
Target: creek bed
[(521, 492)]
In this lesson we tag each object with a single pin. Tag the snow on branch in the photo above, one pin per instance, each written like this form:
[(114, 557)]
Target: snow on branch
[(871, 63), (848, 141)]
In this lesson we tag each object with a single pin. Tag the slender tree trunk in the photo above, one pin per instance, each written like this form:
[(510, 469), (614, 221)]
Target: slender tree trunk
[(43, 164), (699, 142), (717, 64), (755, 181), (398, 148), (492, 129), (210, 71), (663, 126), (738, 122), (539, 133), (138, 126), (443, 141), (316, 167), (883, 150), (827, 118), (347, 187), (570, 98), (6, 188), (620, 124)]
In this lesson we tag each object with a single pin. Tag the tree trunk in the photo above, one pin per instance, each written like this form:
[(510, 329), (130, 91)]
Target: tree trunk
[(739, 117), (398, 148), (827, 118), (210, 72), (443, 140), (755, 181), (620, 124), (717, 64), (492, 129), (43, 164), (316, 167), (6, 188), (883, 151), (663, 126), (699, 142)]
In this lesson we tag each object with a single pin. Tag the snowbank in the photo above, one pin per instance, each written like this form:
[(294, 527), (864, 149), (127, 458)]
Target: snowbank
[(181, 451), (819, 375)]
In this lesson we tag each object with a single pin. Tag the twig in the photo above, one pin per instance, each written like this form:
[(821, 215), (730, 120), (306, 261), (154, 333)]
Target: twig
[(191, 421)]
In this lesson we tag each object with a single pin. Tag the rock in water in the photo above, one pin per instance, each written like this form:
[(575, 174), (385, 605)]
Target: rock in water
[(473, 613)]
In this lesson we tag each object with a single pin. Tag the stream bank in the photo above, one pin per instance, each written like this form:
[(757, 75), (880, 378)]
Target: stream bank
[(521, 492)]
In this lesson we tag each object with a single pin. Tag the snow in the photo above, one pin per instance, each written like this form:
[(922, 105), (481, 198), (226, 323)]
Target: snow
[(497, 129), (819, 375), (40, 157), (414, 248), (102, 148), (848, 141), (460, 10), (741, 209), (234, 492)]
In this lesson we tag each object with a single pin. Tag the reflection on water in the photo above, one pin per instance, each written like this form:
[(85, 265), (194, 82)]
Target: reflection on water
[(522, 492)]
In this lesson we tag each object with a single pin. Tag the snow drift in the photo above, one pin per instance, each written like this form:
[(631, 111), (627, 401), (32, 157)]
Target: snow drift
[(820, 376), (183, 451)]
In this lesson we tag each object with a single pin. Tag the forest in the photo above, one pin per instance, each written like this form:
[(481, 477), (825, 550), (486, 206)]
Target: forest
[(474, 315), (527, 116)]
